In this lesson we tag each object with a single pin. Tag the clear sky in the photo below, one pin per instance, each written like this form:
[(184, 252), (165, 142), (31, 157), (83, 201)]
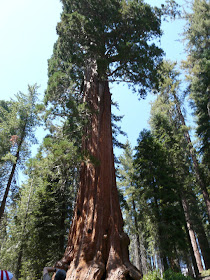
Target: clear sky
[(28, 33)]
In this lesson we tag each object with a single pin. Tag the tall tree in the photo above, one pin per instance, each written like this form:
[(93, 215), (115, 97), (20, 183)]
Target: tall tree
[(126, 186), (168, 128), (101, 41), (154, 175), (24, 120), (170, 88), (43, 211), (197, 36)]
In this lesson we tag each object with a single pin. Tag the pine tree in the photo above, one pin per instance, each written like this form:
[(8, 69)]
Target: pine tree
[(44, 208), (130, 208), (170, 88), (168, 128), (57, 165), (197, 64), (154, 176), (22, 119)]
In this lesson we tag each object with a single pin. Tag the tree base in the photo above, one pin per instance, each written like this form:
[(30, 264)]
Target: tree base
[(98, 271)]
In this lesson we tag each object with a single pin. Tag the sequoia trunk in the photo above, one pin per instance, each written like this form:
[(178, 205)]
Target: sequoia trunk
[(97, 246)]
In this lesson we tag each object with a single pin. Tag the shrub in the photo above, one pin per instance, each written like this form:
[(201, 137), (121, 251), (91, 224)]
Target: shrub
[(152, 275), (171, 275), (167, 275)]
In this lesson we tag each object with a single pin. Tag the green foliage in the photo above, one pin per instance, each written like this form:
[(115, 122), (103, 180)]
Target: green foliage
[(118, 36), (167, 275), (39, 222), (114, 33), (152, 275), (154, 178), (197, 64), (18, 120), (56, 174), (171, 275)]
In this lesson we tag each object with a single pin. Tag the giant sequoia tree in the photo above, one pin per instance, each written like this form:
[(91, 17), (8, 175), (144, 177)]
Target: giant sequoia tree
[(100, 41)]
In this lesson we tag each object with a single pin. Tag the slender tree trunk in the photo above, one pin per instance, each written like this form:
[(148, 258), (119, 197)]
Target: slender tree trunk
[(161, 235), (199, 176), (3, 203), (200, 232), (138, 262), (188, 263), (184, 209), (23, 235), (144, 258), (204, 245), (192, 236), (97, 246)]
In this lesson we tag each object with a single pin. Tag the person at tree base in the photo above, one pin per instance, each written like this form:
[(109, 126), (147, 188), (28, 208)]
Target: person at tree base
[(6, 275), (60, 273)]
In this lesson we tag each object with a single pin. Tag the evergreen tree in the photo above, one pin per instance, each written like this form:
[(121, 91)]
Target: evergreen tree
[(130, 207), (168, 128), (21, 119), (154, 176), (197, 36), (44, 210), (100, 42), (170, 88)]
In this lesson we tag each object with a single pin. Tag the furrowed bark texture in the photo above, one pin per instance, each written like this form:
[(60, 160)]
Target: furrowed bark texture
[(97, 246)]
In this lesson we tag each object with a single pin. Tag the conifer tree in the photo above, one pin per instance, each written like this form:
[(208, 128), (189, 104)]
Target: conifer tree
[(43, 209), (167, 127), (170, 88), (99, 42), (154, 175), (197, 64), (22, 119), (130, 207)]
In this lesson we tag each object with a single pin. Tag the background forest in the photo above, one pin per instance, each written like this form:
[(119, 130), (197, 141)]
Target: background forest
[(163, 182)]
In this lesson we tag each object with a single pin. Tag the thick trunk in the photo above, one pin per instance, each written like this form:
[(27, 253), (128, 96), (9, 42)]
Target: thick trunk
[(97, 246)]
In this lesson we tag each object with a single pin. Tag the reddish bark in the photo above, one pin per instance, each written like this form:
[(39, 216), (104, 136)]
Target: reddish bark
[(97, 246)]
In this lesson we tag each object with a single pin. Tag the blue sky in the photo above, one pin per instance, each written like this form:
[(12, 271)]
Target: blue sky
[(28, 33)]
